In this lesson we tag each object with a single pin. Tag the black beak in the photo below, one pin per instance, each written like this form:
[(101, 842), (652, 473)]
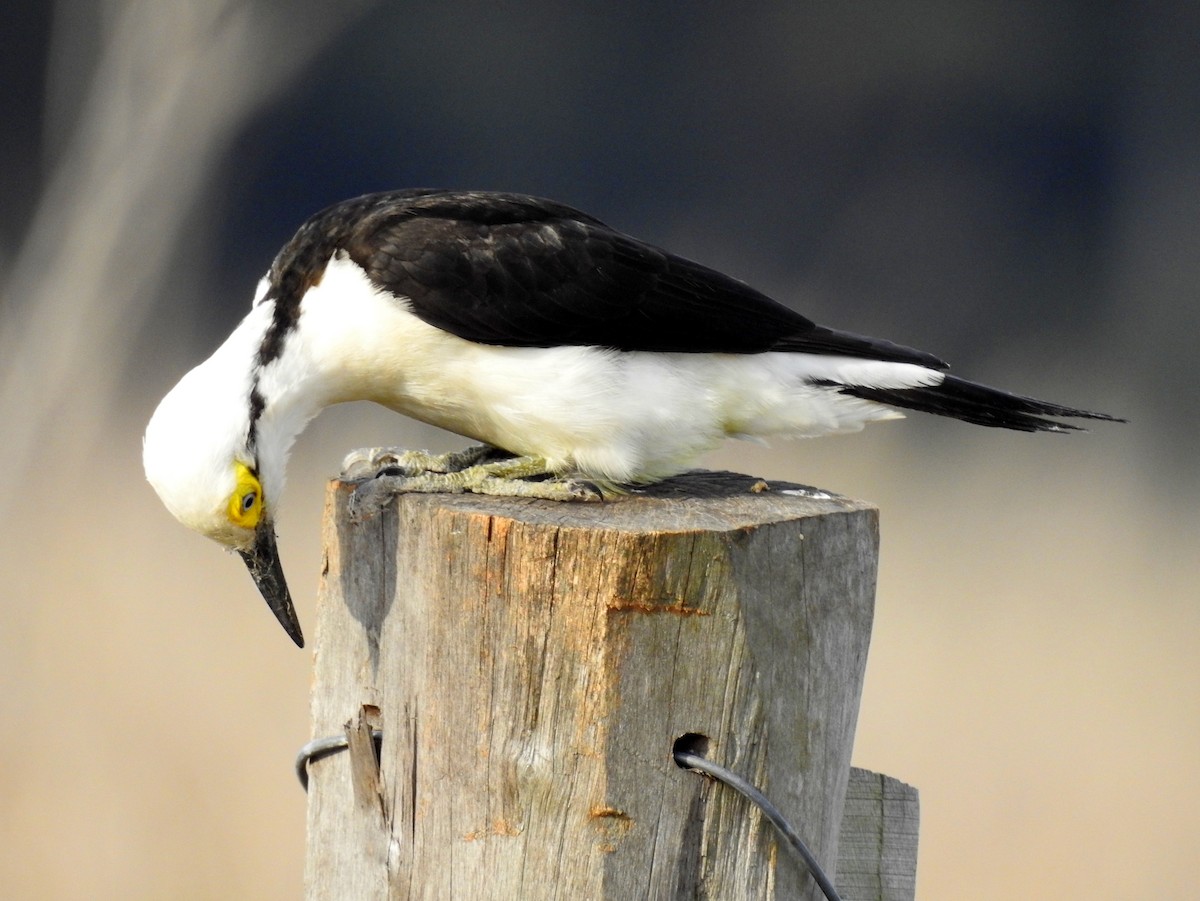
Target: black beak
[(263, 562)]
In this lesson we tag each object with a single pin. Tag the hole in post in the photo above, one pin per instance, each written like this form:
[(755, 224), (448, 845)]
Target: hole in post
[(689, 743)]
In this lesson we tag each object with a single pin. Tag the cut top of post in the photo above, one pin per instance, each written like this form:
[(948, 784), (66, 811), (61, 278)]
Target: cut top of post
[(695, 501)]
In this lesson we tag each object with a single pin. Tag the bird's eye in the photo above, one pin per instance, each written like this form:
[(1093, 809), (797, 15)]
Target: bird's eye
[(245, 504)]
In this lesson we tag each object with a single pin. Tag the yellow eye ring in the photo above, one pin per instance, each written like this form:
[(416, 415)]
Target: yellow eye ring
[(245, 504)]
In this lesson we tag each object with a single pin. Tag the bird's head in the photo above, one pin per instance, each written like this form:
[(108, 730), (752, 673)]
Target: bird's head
[(200, 455)]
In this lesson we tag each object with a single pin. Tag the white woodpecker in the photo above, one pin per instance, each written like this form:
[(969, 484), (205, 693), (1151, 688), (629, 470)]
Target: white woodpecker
[(591, 357)]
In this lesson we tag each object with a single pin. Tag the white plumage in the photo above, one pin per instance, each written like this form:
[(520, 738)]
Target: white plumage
[(611, 415)]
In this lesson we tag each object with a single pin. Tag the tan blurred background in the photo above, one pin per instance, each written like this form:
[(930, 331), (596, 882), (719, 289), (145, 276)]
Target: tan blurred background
[(1011, 186)]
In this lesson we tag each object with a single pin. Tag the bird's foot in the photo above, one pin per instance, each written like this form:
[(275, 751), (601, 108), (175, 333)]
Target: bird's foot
[(472, 470), (371, 462)]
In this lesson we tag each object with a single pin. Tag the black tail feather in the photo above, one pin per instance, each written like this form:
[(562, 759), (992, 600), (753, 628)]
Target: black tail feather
[(979, 404)]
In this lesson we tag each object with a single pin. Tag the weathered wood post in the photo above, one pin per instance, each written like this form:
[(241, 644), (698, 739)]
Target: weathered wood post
[(532, 664)]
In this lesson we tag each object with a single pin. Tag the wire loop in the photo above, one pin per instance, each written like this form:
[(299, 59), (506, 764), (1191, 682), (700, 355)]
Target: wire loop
[(323, 747)]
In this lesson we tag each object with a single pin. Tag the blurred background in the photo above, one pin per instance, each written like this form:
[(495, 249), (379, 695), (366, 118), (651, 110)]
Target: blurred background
[(1010, 185)]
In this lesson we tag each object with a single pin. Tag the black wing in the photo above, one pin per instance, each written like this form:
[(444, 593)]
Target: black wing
[(514, 270)]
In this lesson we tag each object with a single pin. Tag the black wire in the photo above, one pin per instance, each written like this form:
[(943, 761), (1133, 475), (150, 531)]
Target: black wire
[(323, 747), (692, 760)]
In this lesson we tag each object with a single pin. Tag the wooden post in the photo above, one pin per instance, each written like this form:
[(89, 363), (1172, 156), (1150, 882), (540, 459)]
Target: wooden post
[(532, 664)]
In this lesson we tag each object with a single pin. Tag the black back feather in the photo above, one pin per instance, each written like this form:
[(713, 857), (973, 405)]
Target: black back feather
[(520, 271)]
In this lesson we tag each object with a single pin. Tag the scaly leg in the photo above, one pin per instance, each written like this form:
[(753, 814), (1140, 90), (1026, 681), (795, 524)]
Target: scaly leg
[(470, 470), (369, 462)]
